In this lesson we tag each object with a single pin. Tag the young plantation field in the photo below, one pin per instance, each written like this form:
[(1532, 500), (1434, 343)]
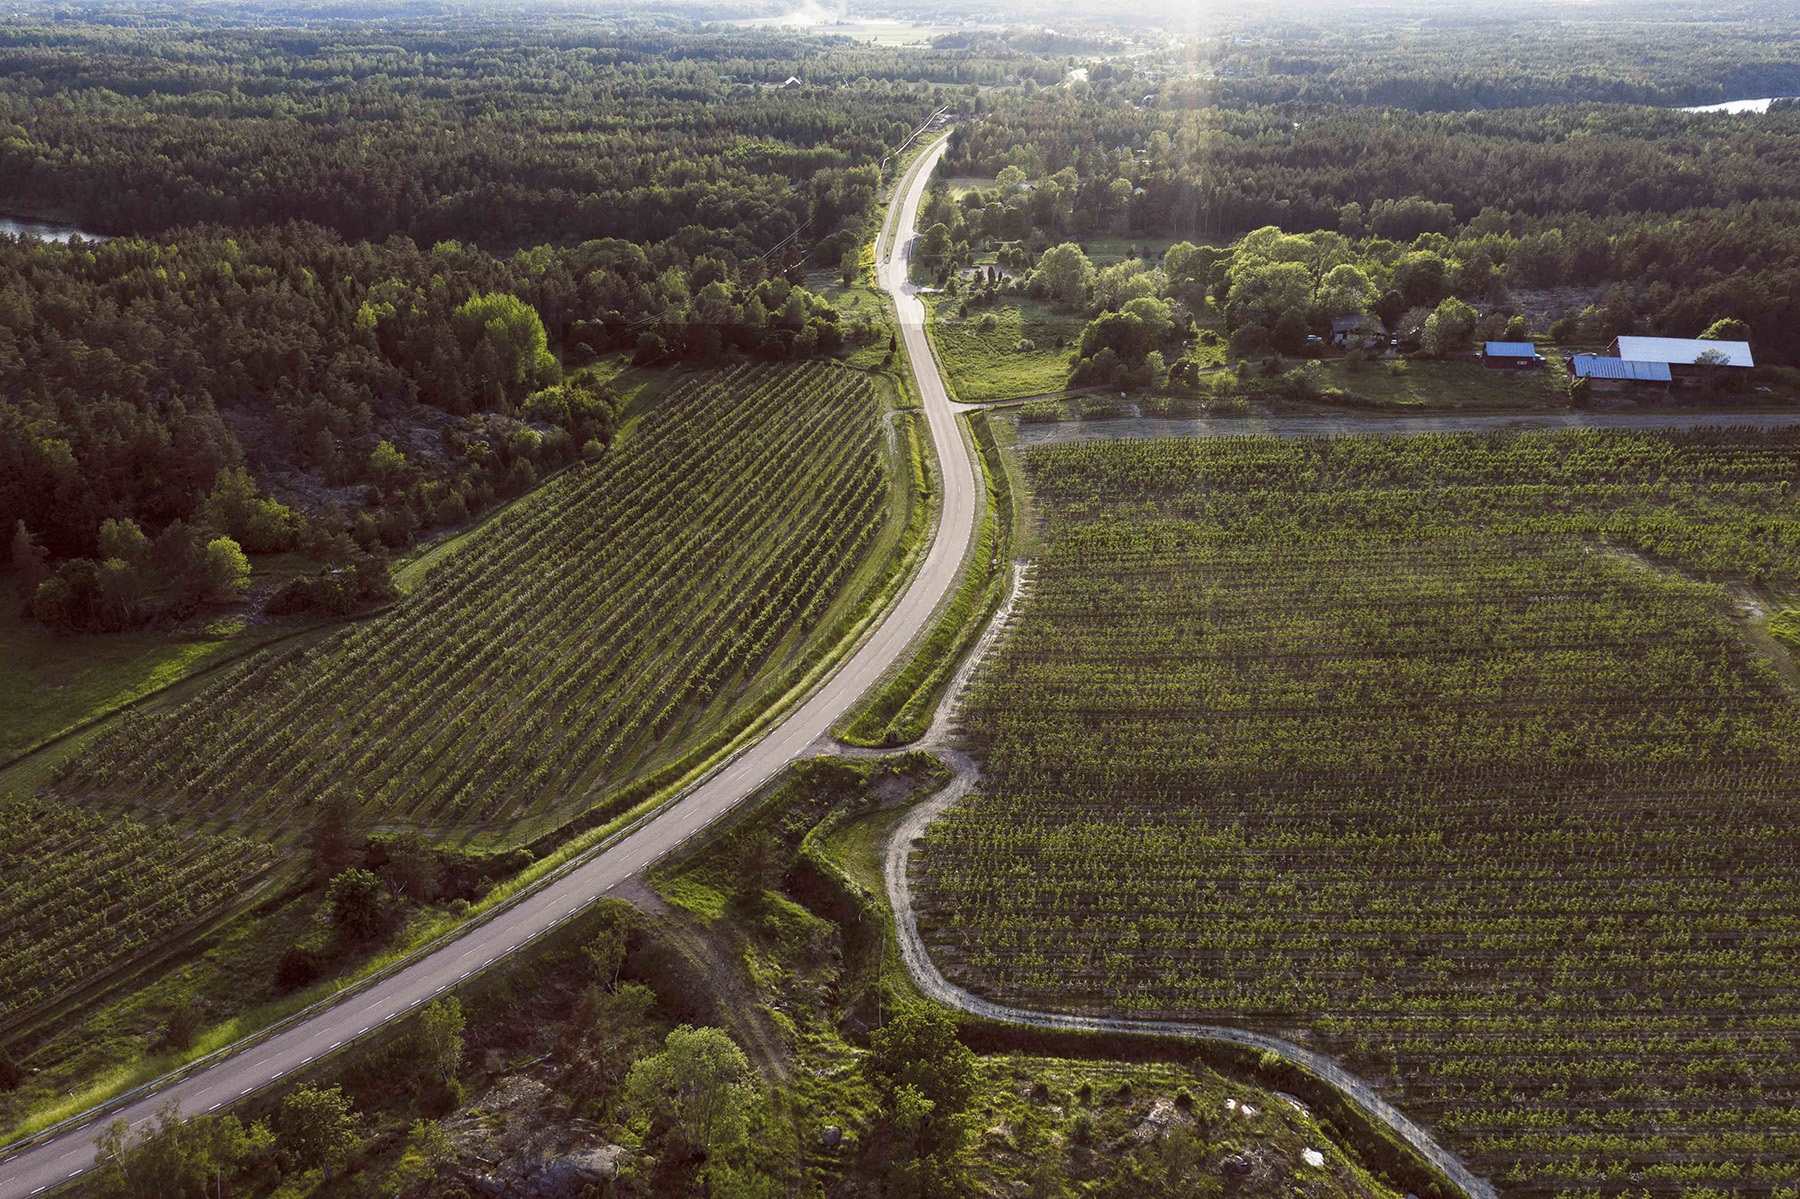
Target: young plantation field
[(631, 611), (81, 892), (1446, 753)]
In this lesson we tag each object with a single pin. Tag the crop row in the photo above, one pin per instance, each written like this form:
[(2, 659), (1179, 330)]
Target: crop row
[(80, 892), (1427, 749), (561, 650)]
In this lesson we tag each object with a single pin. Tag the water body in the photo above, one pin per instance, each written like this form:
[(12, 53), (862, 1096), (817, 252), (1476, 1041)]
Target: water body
[(1737, 106), (1144, 427), (45, 230)]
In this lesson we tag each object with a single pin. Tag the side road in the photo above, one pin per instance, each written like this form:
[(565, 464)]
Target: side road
[(55, 1161), (939, 989)]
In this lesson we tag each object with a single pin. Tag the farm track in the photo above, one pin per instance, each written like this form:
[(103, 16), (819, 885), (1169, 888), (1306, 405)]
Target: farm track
[(614, 867), (931, 981), (1337, 424)]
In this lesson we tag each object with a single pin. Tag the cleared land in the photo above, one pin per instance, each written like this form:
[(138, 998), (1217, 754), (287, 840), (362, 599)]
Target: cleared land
[(571, 645), (1446, 750), (985, 354)]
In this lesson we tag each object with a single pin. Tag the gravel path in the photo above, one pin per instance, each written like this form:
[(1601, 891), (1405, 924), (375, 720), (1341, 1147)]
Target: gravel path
[(1336, 424), (934, 985)]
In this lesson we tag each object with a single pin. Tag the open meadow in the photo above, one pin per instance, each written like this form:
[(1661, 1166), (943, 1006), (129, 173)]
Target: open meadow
[(1016, 348), (1451, 754)]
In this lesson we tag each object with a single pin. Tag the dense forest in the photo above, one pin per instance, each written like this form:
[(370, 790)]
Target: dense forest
[(365, 268), (362, 269), (497, 135), (1473, 56), (1692, 215)]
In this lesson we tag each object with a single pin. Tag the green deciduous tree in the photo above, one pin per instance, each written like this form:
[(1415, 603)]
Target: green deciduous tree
[(514, 332), (358, 904), (316, 1129), (438, 1037), (605, 950), (701, 1085), (1067, 274), (926, 1078), (123, 539), (227, 570), (258, 523), (177, 1158)]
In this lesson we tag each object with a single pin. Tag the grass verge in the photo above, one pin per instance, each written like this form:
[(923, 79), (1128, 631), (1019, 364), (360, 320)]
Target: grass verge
[(900, 709)]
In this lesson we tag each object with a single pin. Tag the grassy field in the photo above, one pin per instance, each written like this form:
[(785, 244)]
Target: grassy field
[(986, 363), (56, 682), (1103, 251), (1451, 754), (583, 640), (1442, 385)]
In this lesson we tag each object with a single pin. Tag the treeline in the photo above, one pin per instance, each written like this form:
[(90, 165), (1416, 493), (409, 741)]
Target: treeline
[(383, 389), (1692, 215), (1219, 173), (584, 186), (501, 136), (1519, 55)]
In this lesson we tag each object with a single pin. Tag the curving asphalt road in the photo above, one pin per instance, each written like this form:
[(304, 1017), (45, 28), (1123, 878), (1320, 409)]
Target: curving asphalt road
[(71, 1154)]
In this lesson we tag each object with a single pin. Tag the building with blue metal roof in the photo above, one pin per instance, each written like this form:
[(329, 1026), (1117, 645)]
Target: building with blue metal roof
[(1613, 373), (1511, 356)]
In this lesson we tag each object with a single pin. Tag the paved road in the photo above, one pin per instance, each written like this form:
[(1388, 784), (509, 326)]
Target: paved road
[(71, 1154), (1336, 424)]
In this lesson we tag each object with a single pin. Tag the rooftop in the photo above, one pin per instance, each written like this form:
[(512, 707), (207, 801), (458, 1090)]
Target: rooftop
[(1683, 350), (1594, 366), (1511, 349)]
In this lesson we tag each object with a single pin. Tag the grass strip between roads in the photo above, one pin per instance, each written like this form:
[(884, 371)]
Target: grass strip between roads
[(900, 710)]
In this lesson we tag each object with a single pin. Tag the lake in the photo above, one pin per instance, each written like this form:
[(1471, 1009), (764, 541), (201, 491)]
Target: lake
[(1737, 106), (45, 230)]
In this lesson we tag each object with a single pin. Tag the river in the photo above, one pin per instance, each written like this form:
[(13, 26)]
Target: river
[(1337, 424), (45, 230)]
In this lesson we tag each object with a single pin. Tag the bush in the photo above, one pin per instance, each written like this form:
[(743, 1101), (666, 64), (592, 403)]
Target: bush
[(185, 1019), (298, 968)]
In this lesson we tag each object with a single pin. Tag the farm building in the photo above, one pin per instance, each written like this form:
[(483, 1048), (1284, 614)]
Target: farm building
[(1683, 355), (1616, 374), (1352, 331), (1511, 356)]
